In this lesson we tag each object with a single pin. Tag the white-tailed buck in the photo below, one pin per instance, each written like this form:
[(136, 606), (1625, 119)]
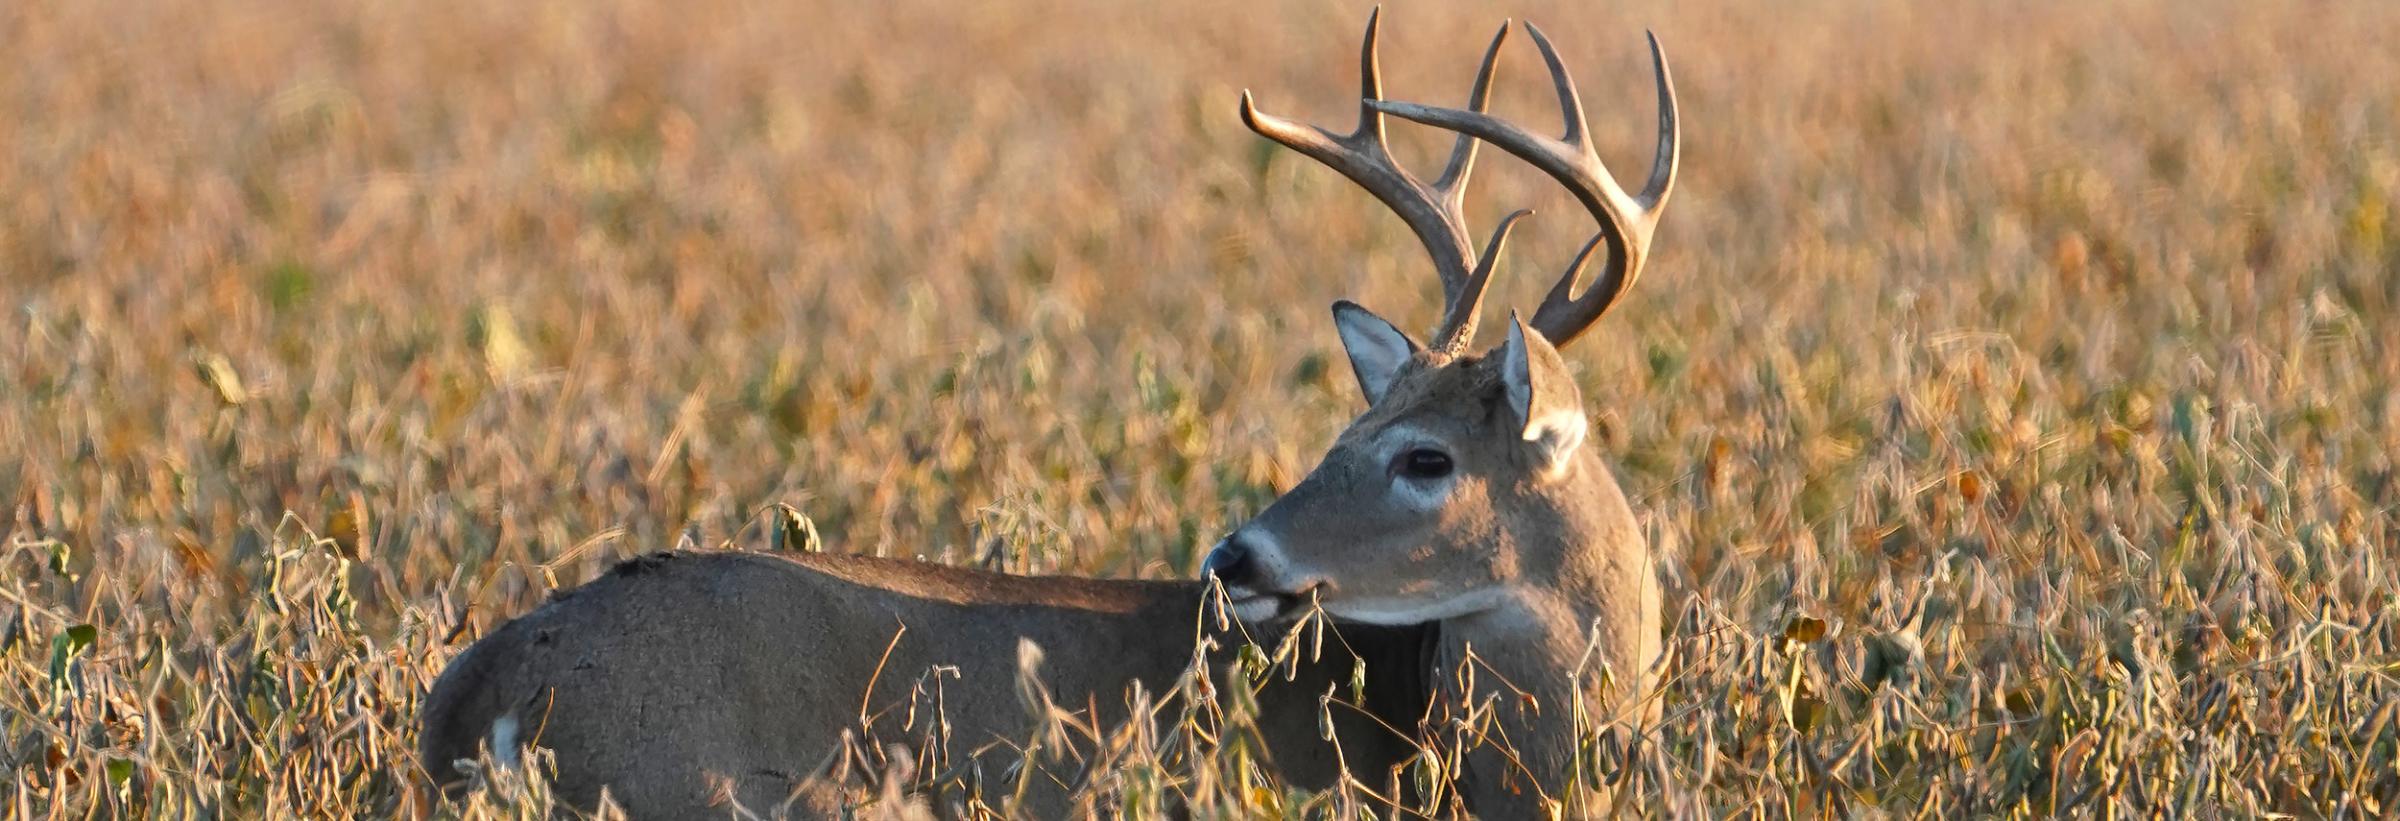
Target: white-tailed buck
[(1458, 524)]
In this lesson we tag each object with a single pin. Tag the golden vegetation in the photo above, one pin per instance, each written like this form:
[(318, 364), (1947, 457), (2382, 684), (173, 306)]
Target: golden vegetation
[(2012, 396)]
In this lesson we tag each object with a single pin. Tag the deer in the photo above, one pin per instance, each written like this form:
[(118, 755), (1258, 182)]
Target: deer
[(1479, 564)]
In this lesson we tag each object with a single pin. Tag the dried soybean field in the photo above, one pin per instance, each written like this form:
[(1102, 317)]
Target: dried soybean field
[(2013, 399)]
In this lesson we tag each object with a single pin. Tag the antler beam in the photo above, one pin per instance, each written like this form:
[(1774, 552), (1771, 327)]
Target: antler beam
[(1436, 212)]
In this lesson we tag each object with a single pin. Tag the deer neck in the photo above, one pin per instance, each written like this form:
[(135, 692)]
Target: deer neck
[(1576, 635)]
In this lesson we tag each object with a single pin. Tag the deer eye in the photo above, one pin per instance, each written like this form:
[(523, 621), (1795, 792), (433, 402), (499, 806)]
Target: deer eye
[(1422, 463)]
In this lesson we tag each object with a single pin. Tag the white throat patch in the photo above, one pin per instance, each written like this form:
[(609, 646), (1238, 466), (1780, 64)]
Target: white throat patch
[(1409, 611)]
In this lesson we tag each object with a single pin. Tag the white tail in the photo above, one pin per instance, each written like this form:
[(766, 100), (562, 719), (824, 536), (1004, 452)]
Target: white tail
[(1459, 519)]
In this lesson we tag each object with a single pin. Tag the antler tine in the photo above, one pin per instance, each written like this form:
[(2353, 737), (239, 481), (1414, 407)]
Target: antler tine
[(1453, 182), (1370, 86), (1626, 222), (1670, 132), (1435, 213), (1459, 317)]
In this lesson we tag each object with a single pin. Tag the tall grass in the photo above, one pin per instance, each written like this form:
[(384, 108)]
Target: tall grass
[(2011, 398)]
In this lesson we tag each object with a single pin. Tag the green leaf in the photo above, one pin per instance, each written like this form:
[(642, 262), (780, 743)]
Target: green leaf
[(1253, 660), (796, 531), (1311, 370), (64, 649), (287, 284), (61, 557), (1807, 711)]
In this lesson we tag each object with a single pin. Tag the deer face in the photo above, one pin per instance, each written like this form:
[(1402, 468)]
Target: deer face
[(1445, 494)]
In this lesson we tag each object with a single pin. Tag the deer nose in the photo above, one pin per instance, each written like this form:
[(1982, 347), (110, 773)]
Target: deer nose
[(1230, 563)]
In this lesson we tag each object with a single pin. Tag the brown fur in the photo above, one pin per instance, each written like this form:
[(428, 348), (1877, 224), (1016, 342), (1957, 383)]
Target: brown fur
[(676, 673), (1527, 554)]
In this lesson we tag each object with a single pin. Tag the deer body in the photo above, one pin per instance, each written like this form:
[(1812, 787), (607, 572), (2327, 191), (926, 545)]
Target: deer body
[(685, 683)]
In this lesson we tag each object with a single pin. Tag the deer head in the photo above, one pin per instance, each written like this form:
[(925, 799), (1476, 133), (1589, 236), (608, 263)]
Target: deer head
[(1465, 479)]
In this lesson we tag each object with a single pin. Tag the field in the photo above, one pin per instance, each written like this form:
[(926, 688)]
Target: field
[(2012, 398)]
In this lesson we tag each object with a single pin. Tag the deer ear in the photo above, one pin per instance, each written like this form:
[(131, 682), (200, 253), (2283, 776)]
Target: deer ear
[(1541, 394), (1377, 349)]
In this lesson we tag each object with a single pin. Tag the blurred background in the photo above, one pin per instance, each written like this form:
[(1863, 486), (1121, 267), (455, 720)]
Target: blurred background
[(2055, 341)]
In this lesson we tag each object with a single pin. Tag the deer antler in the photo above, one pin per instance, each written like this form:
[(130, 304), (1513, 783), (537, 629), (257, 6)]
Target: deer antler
[(1435, 212), (1626, 222)]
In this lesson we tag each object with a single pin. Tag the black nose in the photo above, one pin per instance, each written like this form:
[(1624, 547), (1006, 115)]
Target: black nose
[(1230, 563)]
